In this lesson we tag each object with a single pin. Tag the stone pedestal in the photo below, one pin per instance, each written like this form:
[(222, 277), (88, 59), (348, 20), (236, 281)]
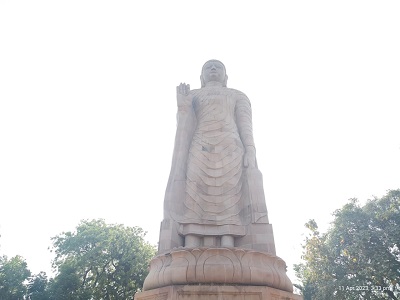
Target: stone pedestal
[(217, 273), (216, 292), (225, 266)]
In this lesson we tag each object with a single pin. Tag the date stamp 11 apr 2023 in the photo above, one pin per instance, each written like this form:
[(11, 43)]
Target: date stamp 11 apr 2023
[(366, 288)]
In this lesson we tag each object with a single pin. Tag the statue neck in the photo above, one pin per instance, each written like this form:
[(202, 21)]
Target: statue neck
[(213, 83)]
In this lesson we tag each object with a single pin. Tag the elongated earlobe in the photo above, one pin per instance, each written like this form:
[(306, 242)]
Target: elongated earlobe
[(225, 81)]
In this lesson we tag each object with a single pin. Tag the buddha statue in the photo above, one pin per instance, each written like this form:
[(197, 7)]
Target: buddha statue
[(215, 229), (215, 188)]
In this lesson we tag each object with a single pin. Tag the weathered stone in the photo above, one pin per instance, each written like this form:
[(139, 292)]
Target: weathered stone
[(216, 292), (215, 192), (217, 266), (215, 231)]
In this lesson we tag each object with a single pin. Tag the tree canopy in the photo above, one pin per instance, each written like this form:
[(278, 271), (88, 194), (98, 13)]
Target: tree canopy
[(37, 287), (13, 273), (100, 261), (358, 257), (96, 261)]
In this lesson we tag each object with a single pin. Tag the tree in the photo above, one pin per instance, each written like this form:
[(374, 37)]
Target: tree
[(13, 273), (358, 257), (67, 285), (100, 261), (38, 287)]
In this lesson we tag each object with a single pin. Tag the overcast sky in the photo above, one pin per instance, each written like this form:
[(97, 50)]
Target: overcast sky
[(88, 104)]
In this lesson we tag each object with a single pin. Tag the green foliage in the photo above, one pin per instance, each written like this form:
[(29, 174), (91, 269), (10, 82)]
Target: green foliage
[(67, 285), (13, 273), (359, 256), (37, 287), (100, 261)]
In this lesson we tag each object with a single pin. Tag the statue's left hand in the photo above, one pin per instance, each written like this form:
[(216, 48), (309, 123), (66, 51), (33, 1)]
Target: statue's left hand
[(249, 159)]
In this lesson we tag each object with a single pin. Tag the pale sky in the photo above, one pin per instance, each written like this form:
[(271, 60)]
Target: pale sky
[(88, 104)]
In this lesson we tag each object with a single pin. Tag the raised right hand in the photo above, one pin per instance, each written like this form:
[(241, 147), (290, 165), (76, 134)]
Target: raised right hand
[(183, 95)]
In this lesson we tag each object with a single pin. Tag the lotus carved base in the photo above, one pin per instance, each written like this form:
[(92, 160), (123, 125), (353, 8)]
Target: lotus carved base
[(221, 266)]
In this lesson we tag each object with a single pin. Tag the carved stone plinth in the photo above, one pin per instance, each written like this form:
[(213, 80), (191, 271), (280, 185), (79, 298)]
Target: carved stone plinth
[(216, 292), (217, 266)]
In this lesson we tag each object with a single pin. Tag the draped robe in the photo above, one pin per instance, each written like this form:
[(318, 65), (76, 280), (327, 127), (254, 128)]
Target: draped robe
[(213, 199)]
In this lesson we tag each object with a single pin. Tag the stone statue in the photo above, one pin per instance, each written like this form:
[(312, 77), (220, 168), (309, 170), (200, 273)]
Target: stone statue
[(215, 228), (215, 189)]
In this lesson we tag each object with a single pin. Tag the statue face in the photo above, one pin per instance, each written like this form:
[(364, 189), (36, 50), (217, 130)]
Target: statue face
[(213, 71)]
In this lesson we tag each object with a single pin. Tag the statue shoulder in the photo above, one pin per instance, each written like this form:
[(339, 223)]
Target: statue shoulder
[(238, 94)]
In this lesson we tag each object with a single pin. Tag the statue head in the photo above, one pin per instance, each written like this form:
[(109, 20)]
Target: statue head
[(213, 70)]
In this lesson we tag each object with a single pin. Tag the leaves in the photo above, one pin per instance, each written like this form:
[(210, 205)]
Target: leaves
[(13, 273), (361, 249), (37, 287), (101, 261)]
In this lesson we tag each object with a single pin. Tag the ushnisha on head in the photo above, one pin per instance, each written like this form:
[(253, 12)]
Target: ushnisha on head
[(213, 71)]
